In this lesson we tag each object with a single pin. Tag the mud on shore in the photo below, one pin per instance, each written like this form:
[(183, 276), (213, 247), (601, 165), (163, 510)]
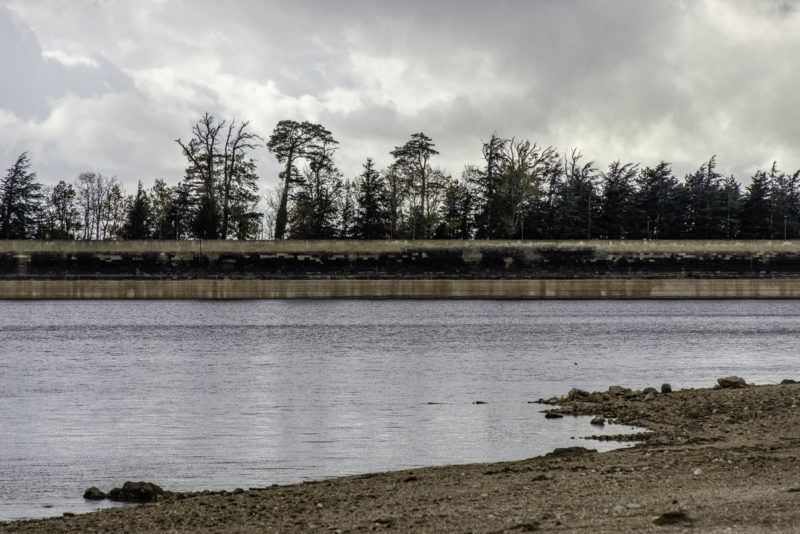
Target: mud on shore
[(716, 460)]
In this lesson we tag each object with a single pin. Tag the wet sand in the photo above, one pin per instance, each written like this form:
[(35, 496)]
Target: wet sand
[(716, 460)]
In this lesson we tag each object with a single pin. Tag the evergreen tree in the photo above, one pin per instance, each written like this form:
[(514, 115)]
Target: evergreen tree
[(756, 210), (314, 210), (658, 204), (21, 201), (616, 208), (706, 203), (488, 183), (576, 201), (456, 215), (371, 220), (140, 217)]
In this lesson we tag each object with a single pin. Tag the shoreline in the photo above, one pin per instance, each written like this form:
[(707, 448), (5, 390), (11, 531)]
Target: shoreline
[(715, 459)]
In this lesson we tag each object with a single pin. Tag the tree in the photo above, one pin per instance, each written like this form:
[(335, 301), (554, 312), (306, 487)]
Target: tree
[(371, 219), (289, 142), (314, 211), (706, 202), (64, 217), (139, 221), (162, 198), (756, 210), (239, 181), (616, 218), (456, 219), (347, 212), (424, 185), (488, 184), (94, 199), (202, 151), (658, 204), (21, 201), (395, 194), (526, 170), (576, 201), (223, 179)]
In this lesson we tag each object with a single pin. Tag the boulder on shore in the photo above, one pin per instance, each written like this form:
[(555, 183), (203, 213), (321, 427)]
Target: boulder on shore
[(731, 382), (94, 494), (578, 394), (136, 492)]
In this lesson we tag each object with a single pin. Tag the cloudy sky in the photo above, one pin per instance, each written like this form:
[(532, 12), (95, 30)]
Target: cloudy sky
[(107, 85)]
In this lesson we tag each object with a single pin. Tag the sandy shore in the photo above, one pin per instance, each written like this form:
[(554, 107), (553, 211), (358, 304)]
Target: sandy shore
[(717, 460)]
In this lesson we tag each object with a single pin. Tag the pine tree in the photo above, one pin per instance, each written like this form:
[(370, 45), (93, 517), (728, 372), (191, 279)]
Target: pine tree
[(139, 223), (21, 201), (371, 220)]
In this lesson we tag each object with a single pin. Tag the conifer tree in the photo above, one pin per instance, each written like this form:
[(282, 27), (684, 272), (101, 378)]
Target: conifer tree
[(371, 220), (21, 201)]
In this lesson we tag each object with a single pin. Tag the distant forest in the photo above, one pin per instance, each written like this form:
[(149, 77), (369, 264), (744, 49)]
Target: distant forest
[(520, 191)]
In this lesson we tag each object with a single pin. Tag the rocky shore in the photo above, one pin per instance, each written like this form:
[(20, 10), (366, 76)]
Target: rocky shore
[(724, 459)]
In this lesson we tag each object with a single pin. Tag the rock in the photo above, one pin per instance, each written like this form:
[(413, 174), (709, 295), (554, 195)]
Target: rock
[(666, 388), (618, 390), (697, 472), (578, 394), (543, 476), (672, 518), (618, 509), (136, 492), (650, 396), (731, 382), (788, 381), (648, 391), (598, 420), (551, 415), (94, 494), (563, 452)]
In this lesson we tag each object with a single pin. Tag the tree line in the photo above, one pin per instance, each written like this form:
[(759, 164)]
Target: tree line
[(520, 190)]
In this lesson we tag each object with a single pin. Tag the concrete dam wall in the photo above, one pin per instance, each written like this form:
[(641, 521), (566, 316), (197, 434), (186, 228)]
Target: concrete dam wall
[(399, 269)]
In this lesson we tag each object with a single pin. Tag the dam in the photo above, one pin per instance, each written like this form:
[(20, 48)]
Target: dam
[(623, 269)]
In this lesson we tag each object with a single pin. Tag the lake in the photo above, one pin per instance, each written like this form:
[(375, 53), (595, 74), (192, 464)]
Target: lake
[(222, 394)]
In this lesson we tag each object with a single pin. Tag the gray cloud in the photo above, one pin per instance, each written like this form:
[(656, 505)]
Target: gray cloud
[(638, 80), (33, 81)]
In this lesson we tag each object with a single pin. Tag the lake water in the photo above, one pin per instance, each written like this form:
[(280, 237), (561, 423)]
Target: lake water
[(207, 394)]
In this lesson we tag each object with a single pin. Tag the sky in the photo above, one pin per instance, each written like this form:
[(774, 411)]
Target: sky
[(108, 85)]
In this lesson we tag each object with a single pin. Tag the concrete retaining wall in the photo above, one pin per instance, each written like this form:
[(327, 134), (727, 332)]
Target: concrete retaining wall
[(399, 269)]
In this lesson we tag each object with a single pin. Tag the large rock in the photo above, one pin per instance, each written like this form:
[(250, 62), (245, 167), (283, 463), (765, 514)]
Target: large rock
[(94, 494), (731, 382), (136, 492), (578, 394)]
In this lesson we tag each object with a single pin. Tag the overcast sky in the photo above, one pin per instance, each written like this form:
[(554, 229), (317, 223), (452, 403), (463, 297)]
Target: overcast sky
[(107, 85)]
